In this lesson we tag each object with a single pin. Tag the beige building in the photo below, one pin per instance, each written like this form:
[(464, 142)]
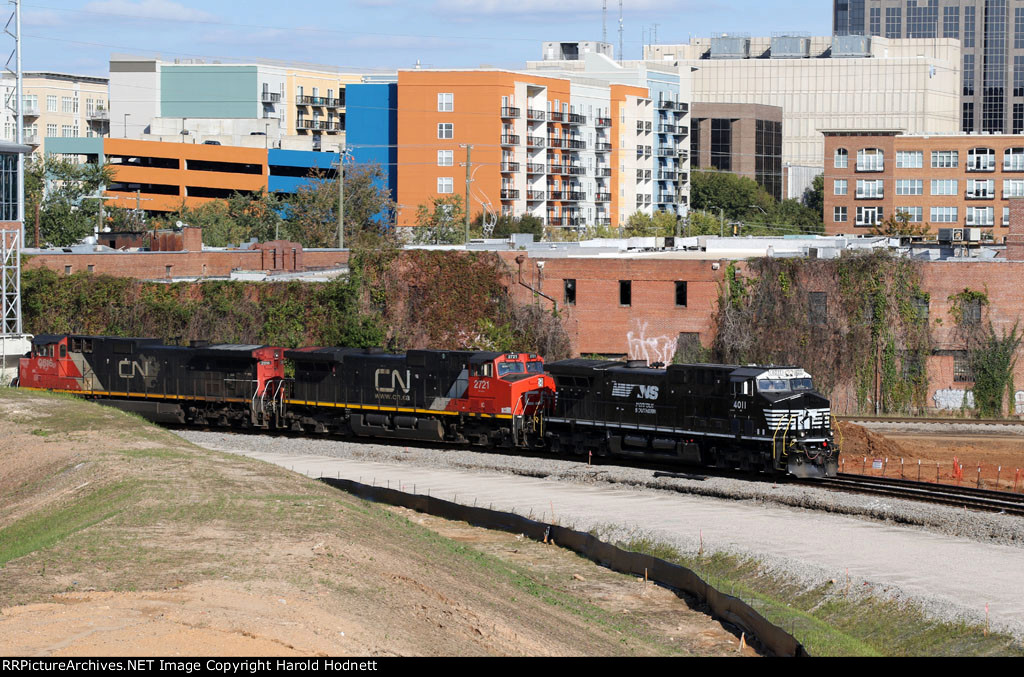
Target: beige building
[(826, 83), (57, 105)]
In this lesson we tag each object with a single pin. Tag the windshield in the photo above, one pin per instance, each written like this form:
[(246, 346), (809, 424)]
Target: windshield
[(505, 368), (802, 384), (535, 367), (783, 385)]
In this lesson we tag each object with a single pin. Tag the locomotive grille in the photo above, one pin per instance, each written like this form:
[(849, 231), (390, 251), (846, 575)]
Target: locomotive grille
[(802, 419)]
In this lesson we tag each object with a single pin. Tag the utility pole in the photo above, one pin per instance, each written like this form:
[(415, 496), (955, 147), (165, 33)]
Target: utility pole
[(341, 197), (721, 220), (469, 150)]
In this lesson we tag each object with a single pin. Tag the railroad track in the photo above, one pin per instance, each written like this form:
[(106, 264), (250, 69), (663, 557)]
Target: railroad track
[(969, 498)]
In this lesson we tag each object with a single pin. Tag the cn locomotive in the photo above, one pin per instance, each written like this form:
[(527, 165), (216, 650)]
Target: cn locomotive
[(766, 419)]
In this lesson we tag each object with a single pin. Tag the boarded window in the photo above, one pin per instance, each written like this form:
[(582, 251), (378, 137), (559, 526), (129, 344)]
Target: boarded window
[(962, 371), (680, 295), (922, 306), (688, 349), (972, 311), (570, 292), (625, 293), (817, 308)]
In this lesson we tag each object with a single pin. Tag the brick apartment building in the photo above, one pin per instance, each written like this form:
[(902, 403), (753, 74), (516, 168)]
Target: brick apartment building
[(939, 181)]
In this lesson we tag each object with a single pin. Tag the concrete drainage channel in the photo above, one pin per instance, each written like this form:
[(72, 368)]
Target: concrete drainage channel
[(726, 607)]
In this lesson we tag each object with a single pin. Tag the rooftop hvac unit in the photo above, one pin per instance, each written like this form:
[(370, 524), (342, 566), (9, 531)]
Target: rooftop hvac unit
[(951, 234), (727, 47), (851, 46), (972, 234), (790, 47)]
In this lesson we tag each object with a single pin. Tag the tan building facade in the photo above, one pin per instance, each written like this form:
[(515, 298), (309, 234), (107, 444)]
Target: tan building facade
[(58, 105), (946, 181)]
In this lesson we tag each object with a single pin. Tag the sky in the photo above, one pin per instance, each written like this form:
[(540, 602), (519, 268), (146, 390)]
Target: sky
[(78, 36)]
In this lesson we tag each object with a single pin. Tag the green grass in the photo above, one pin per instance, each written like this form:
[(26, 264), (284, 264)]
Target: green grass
[(828, 620), (47, 528)]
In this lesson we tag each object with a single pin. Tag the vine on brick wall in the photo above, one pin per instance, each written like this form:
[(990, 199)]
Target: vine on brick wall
[(862, 329), (992, 357)]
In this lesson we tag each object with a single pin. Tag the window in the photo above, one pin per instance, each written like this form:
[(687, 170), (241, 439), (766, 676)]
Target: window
[(962, 372), (1013, 160), (870, 160), (869, 216), (985, 189), (839, 214), (872, 189), (968, 39), (445, 158), (67, 104), (842, 158), (981, 160), (945, 159), (968, 75), (840, 186), (445, 184), (51, 129), (909, 186), (817, 308), (1006, 216), (893, 19), (625, 293), (445, 102), (910, 159), (944, 186), (913, 214), (65, 131), (680, 295), (951, 22), (51, 104), (445, 130), (1013, 188), (980, 216), (944, 215), (570, 292)]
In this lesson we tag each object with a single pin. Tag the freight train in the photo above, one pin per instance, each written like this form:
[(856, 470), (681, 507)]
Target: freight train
[(766, 419)]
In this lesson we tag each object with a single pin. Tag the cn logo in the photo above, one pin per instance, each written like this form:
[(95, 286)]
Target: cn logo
[(390, 380), (130, 369)]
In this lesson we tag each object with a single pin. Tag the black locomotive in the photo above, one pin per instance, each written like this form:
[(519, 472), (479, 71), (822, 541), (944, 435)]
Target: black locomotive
[(752, 418)]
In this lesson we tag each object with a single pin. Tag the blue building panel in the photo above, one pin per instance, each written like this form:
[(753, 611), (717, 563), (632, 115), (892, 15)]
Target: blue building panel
[(291, 169), (371, 123)]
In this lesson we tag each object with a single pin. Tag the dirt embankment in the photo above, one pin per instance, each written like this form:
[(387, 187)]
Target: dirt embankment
[(117, 538)]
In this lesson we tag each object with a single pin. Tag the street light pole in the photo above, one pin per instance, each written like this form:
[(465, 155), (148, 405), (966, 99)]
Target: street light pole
[(341, 197)]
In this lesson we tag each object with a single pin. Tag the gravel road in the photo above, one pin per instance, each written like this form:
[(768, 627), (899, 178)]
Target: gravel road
[(949, 561)]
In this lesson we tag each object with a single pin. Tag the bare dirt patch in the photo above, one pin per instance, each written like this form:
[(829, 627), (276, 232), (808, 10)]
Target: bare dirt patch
[(999, 456), (117, 538)]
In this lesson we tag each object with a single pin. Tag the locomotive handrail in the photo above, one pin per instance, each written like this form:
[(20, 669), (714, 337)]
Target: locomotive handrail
[(775, 446)]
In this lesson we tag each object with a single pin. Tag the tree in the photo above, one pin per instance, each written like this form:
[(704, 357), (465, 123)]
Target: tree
[(66, 195), (440, 221), (660, 224), (814, 197), (899, 225), (736, 196), (312, 213)]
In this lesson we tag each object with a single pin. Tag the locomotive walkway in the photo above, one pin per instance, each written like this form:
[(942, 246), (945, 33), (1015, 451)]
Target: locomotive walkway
[(955, 575)]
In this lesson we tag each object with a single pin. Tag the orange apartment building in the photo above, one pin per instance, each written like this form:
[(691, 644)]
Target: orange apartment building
[(943, 181), (556, 148)]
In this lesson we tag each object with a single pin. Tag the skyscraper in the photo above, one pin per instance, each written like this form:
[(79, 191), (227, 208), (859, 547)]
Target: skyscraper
[(991, 33)]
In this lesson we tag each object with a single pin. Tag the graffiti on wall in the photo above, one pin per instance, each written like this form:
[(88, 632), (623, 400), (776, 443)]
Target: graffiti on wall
[(953, 399), (642, 346), (1018, 402)]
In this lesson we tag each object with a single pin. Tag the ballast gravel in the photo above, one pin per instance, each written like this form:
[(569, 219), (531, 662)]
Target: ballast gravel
[(890, 528)]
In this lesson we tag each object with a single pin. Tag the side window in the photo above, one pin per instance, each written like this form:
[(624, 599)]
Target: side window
[(570, 292)]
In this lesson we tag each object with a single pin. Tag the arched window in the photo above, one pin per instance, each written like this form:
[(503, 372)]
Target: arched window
[(1013, 160), (842, 160), (870, 160), (981, 160)]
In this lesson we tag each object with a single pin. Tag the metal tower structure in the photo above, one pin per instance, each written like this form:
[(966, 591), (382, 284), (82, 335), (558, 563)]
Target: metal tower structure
[(12, 232)]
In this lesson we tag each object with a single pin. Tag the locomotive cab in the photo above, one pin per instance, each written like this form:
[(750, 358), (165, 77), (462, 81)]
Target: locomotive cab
[(799, 421), (507, 383)]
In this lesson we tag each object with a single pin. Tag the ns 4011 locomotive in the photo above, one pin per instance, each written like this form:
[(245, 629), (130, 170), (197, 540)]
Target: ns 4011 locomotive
[(752, 418)]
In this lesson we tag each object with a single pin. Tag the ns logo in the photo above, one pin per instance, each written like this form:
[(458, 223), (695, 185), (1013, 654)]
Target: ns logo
[(648, 392), (390, 380)]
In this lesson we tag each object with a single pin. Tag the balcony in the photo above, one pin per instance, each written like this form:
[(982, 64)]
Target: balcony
[(602, 147), (97, 115), (320, 101), (31, 139), (604, 172), (977, 166), (510, 112), (509, 194), (535, 195), (577, 144), (576, 119), (575, 170), (874, 167), (555, 168), (980, 195), (509, 167), (555, 116), (271, 97), (668, 129), (602, 197), (602, 122), (30, 111), (564, 221), (510, 139), (319, 125), (869, 195), (667, 175), (603, 221), (534, 168), (666, 104), (667, 198), (535, 115), (556, 142), (565, 195), (535, 141), (667, 151)]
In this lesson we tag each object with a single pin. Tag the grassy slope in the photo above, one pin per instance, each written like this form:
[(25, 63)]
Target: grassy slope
[(116, 504)]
